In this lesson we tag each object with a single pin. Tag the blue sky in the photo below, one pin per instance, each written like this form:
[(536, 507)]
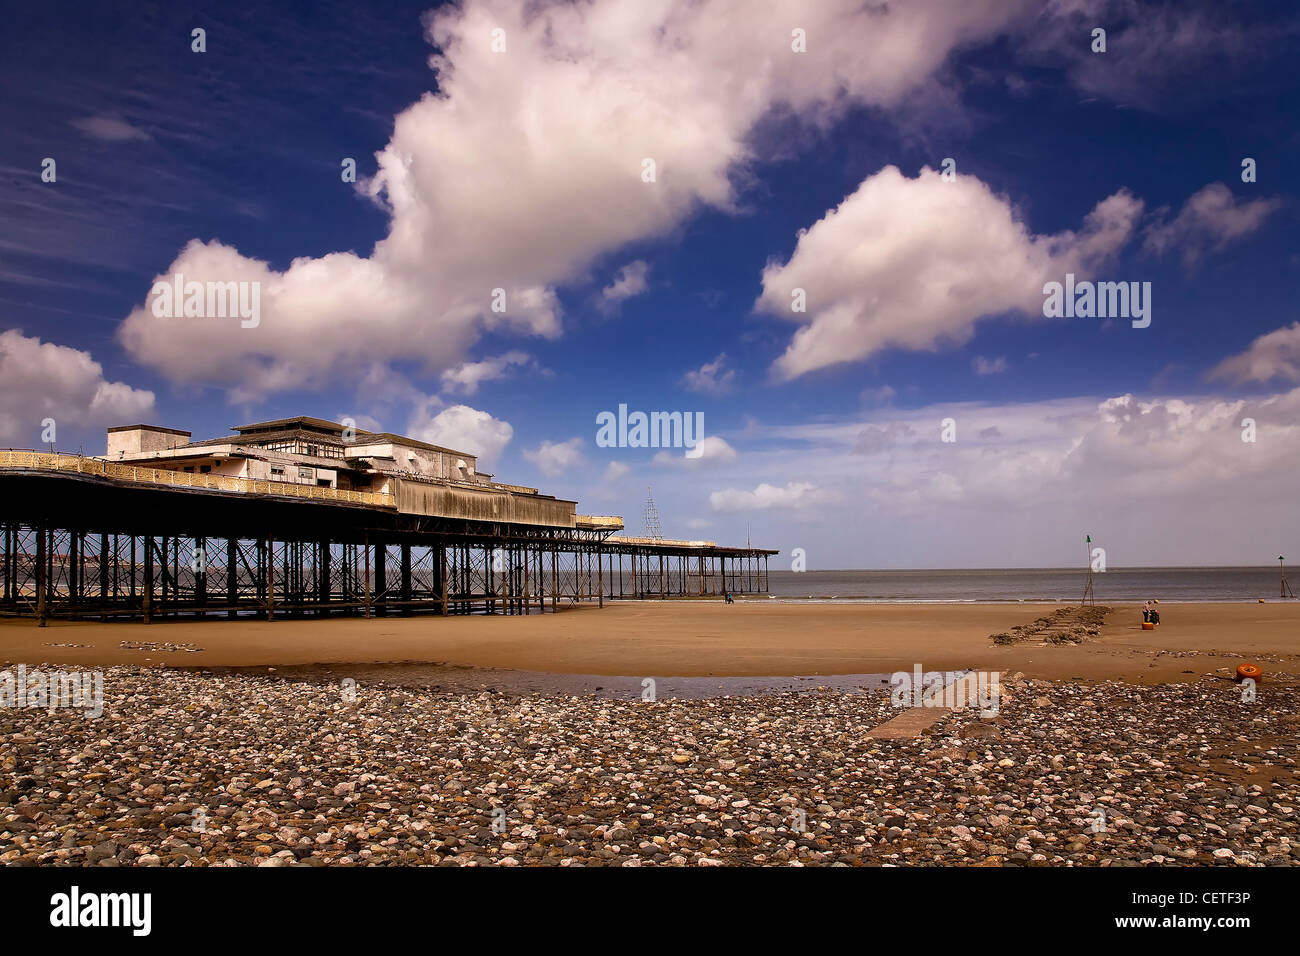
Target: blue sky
[(521, 169)]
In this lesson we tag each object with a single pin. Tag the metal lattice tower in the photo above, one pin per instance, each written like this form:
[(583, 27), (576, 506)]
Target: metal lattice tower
[(1087, 590), (652, 529)]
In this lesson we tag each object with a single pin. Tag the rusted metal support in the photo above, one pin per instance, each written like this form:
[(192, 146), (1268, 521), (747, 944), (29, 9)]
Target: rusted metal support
[(42, 608), (285, 575), (270, 578), (442, 577), (365, 550), (405, 571), (232, 576), (148, 578), (528, 598), (325, 586), (199, 567)]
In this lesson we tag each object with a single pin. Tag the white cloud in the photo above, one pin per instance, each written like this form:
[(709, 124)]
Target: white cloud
[(1154, 52), (525, 169), (41, 380), (555, 458), (987, 366), (630, 282), (1054, 453), (108, 129), (615, 471), (878, 396), (795, 494), (1275, 355), (467, 376), (877, 438), (914, 263), (711, 450), (361, 421), (713, 378), (1157, 481), (1209, 220), (462, 428)]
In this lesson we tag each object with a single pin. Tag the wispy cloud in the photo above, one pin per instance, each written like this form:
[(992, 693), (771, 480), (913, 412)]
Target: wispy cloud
[(555, 458), (630, 282), (712, 378), (1272, 356), (109, 129), (989, 366), (1210, 219)]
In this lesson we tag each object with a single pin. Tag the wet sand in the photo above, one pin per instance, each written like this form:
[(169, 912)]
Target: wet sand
[(699, 639)]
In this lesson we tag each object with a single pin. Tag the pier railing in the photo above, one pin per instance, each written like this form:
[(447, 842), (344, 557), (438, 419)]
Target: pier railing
[(50, 461)]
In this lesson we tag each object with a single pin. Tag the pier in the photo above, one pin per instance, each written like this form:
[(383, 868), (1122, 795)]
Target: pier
[(94, 538)]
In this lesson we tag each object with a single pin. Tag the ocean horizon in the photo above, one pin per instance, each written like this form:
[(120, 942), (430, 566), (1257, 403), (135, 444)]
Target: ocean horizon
[(1029, 585)]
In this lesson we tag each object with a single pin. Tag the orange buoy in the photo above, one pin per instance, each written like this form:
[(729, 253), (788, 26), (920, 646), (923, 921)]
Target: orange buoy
[(1148, 626), (1250, 671)]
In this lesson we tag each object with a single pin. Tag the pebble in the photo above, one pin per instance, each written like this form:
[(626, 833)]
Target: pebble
[(187, 768)]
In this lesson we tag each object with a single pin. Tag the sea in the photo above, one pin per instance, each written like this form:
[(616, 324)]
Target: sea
[(1115, 585)]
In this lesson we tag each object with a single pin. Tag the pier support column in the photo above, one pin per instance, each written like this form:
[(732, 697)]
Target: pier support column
[(72, 564), (104, 555), (442, 573), (200, 571), (9, 560), (41, 582), (406, 576), (326, 588), (232, 576), (286, 573), (365, 551), (381, 578), (528, 598), (148, 579), (270, 577)]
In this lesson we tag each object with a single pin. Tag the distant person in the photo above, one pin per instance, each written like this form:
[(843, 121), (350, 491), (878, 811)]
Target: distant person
[(727, 596), (1155, 612), (1146, 612)]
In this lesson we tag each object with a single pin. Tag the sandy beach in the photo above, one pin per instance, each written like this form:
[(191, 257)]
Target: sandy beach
[(698, 639), (403, 742)]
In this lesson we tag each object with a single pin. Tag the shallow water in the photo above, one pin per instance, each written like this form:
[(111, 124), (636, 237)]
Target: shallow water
[(471, 680)]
